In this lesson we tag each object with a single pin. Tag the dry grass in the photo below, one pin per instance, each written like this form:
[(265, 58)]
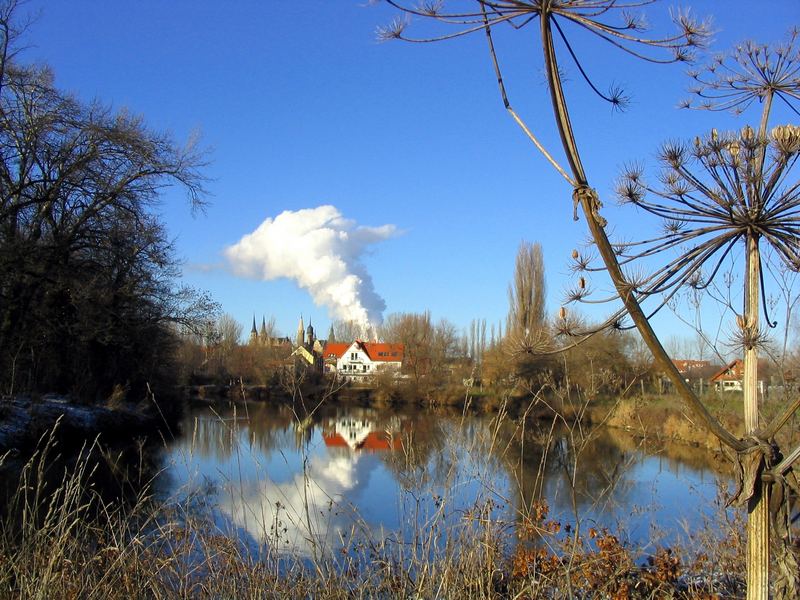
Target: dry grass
[(62, 539)]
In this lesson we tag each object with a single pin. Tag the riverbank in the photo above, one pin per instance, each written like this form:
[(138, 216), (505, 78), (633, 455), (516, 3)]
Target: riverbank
[(654, 418), (24, 421)]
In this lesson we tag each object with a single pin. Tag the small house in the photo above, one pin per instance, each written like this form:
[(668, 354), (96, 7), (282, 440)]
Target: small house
[(729, 378), (359, 361)]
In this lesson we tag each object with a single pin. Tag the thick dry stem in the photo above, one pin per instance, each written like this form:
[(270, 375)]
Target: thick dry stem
[(758, 505), (588, 200)]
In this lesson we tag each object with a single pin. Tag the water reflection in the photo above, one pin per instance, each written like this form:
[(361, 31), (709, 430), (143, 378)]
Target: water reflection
[(309, 484)]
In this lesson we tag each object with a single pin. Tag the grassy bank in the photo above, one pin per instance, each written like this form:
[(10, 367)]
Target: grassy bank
[(666, 418)]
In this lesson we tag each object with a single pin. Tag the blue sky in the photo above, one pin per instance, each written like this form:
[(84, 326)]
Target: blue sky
[(300, 106)]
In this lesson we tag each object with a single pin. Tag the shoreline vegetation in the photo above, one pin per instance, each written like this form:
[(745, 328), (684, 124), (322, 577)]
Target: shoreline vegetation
[(61, 538), (25, 419), (653, 417)]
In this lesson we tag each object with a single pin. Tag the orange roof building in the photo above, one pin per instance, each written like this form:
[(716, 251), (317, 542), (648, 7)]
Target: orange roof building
[(684, 366), (729, 377), (360, 360)]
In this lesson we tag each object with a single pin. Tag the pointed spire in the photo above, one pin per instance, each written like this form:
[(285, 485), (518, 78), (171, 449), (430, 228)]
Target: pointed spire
[(253, 332), (263, 332), (331, 335), (301, 333)]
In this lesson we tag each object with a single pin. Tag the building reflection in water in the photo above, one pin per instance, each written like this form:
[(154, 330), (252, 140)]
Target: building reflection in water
[(304, 485), (359, 430)]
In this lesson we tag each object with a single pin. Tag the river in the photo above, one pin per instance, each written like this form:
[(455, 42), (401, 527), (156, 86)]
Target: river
[(271, 478)]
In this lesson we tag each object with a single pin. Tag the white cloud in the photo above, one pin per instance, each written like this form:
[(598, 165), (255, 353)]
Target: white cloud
[(321, 251)]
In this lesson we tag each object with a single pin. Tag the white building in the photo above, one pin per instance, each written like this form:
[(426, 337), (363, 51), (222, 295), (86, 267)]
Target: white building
[(358, 361)]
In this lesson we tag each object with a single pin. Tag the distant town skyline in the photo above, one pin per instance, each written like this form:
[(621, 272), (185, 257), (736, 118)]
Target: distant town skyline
[(421, 185)]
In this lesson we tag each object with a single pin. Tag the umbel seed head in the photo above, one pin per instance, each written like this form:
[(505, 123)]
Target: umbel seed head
[(786, 138)]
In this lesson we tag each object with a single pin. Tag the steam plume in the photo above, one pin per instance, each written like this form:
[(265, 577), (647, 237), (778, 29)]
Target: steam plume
[(320, 250)]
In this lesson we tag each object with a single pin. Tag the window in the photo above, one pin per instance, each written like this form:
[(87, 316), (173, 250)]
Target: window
[(354, 356), (365, 368)]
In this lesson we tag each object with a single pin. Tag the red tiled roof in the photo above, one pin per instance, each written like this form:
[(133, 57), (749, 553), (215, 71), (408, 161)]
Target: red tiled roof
[(733, 371), (379, 352), (684, 365), (335, 349)]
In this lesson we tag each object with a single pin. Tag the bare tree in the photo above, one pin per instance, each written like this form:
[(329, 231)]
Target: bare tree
[(230, 331), (347, 331), (429, 346), (476, 341), (88, 277), (525, 325)]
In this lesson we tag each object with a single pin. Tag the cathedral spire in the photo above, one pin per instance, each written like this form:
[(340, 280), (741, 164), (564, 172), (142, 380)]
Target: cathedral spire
[(301, 333), (254, 331)]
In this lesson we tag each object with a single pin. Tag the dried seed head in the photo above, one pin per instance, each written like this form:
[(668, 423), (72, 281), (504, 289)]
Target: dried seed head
[(673, 227), (562, 313), (393, 31), (674, 154), (786, 138), (749, 338), (714, 135), (747, 133), (740, 322), (582, 283), (575, 295), (630, 190), (575, 255), (733, 149)]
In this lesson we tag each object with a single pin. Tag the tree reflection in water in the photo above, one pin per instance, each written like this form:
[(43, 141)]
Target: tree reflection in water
[(359, 472)]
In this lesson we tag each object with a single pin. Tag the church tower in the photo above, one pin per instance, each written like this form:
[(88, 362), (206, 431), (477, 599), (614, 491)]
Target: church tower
[(262, 334), (254, 332), (301, 334), (310, 335)]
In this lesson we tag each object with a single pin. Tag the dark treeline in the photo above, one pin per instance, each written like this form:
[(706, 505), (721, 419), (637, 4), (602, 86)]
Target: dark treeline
[(88, 295)]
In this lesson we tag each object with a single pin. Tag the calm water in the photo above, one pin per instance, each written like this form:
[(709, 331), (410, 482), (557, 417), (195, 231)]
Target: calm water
[(269, 477)]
